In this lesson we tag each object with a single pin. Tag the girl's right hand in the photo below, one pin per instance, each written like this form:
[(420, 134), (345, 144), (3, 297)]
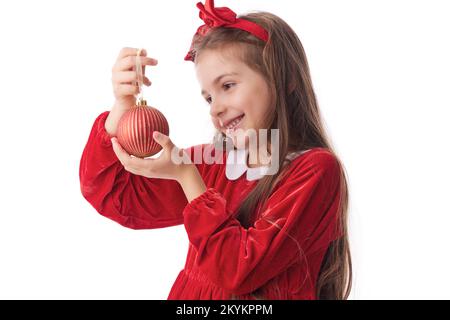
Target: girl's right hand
[(124, 77)]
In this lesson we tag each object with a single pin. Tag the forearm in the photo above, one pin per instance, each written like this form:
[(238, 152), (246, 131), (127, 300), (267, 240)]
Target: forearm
[(191, 182)]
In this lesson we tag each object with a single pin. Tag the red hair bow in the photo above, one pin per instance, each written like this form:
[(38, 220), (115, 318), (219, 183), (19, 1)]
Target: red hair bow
[(223, 17)]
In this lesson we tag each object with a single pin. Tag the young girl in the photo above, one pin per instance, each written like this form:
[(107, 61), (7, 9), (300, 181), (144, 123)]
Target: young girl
[(252, 235)]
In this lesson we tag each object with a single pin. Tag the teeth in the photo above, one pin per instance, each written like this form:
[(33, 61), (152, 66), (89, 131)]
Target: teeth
[(234, 123)]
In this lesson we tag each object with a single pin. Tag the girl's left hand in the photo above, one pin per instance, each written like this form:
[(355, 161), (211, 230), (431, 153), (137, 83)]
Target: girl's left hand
[(162, 167)]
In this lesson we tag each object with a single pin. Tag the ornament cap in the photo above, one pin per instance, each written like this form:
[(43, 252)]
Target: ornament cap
[(142, 102)]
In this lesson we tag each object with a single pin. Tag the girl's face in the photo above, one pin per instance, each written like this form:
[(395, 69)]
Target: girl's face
[(239, 97)]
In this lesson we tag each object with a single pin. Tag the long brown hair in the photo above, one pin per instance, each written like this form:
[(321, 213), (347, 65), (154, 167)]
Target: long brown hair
[(282, 61)]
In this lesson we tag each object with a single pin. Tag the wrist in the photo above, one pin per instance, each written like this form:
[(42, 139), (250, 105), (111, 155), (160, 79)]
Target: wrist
[(113, 119), (191, 181), (185, 173)]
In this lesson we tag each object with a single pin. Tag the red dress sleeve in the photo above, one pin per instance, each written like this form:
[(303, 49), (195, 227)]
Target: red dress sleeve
[(298, 219), (133, 201)]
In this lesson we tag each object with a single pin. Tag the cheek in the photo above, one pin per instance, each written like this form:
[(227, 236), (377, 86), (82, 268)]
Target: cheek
[(256, 117), (265, 111), (255, 105)]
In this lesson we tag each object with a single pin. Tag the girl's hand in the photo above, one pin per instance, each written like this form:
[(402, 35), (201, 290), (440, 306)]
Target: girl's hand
[(165, 166), (124, 81), (124, 76)]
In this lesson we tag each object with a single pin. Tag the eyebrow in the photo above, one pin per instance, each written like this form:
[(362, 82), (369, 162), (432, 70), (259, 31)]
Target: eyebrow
[(220, 77)]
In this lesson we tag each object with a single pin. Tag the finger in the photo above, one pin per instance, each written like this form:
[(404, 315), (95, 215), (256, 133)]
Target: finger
[(124, 77), (126, 89), (121, 154), (141, 52), (163, 140), (129, 62), (147, 81), (127, 51), (130, 163), (128, 77)]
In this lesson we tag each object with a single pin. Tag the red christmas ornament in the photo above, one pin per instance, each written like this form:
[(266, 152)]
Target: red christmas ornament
[(135, 130)]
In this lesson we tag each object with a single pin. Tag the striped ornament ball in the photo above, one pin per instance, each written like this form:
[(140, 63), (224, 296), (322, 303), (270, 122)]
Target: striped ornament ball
[(135, 130)]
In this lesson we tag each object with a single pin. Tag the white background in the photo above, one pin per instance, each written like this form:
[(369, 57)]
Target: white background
[(381, 73)]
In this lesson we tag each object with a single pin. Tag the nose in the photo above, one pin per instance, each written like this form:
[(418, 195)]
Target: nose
[(216, 109)]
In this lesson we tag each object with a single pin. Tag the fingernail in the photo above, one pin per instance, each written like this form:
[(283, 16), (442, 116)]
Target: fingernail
[(156, 135)]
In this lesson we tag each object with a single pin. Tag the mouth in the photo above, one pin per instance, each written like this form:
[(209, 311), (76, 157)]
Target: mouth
[(233, 123)]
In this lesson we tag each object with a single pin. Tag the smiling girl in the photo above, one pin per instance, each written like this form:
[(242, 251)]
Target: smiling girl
[(253, 233)]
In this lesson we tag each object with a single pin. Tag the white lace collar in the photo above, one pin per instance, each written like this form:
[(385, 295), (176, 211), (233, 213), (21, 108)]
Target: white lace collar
[(236, 165)]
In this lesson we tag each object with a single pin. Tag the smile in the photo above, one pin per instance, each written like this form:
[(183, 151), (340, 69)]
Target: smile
[(234, 123)]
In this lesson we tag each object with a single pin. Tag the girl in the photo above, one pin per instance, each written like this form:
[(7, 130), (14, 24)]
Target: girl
[(252, 235)]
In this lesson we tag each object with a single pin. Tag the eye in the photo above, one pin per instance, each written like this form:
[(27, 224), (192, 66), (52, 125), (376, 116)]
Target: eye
[(225, 86), (228, 85)]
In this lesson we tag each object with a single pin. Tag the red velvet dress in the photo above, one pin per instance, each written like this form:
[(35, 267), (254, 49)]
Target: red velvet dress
[(280, 254)]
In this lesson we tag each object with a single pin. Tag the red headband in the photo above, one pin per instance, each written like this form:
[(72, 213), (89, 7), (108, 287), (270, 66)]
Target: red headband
[(223, 17)]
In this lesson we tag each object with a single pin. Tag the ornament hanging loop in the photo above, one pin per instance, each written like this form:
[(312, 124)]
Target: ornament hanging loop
[(140, 97)]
